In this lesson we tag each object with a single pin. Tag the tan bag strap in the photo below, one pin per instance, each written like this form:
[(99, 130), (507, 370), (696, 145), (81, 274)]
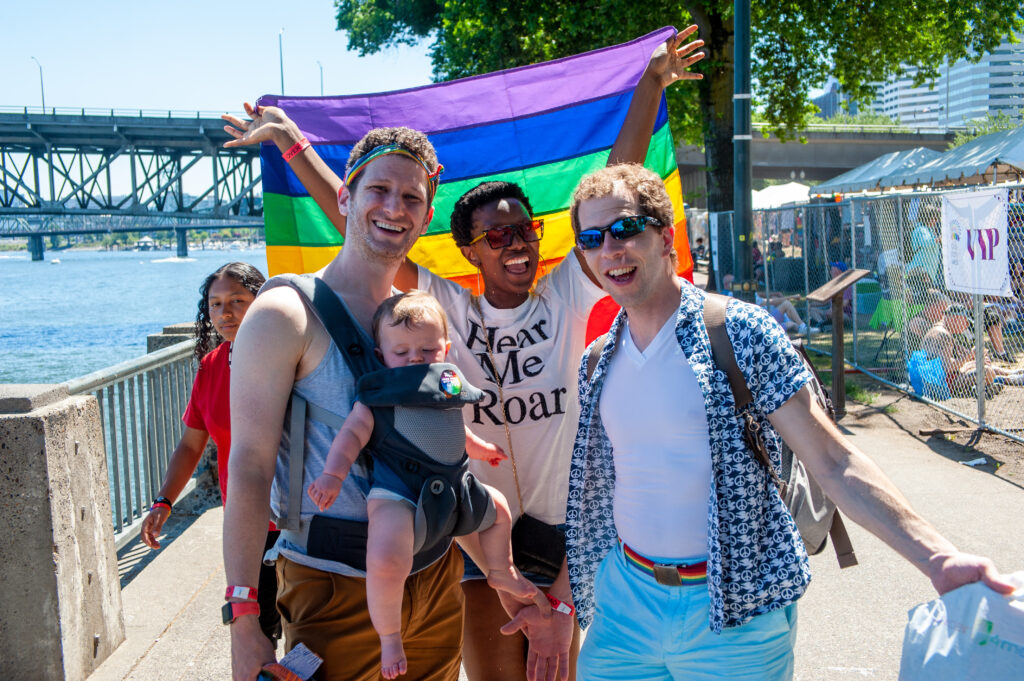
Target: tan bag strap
[(501, 400), (841, 542), (595, 354)]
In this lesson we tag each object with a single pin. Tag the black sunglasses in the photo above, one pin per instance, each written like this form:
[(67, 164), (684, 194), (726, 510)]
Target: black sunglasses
[(623, 228), (500, 237)]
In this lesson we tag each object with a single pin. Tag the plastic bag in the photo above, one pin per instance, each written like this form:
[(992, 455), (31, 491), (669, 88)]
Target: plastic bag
[(970, 633)]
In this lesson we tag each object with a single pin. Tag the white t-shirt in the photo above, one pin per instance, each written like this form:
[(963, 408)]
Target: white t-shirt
[(537, 348), (653, 411)]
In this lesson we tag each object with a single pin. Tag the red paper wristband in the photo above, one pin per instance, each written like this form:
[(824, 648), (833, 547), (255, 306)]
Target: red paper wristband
[(560, 606), (244, 592), (295, 149)]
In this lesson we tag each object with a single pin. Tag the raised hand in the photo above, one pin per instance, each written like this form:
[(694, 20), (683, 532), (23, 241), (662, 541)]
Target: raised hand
[(266, 124), (669, 62)]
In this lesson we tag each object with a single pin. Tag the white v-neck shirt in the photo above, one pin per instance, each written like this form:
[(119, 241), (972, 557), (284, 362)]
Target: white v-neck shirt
[(653, 411)]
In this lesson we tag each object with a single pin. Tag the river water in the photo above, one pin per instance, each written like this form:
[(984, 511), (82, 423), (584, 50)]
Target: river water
[(94, 309)]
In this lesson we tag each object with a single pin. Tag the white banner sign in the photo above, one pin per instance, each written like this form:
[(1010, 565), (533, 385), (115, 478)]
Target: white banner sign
[(975, 252)]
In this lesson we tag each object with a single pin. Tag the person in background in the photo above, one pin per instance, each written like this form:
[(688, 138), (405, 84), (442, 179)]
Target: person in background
[(935, 306), (959, 361), (224, 298)]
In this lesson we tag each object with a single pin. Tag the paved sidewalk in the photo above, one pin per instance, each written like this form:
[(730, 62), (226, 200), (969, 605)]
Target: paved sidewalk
[(851, 621)]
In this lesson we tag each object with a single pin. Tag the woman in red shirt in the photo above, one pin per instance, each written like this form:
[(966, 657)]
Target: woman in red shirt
[(224, 298)]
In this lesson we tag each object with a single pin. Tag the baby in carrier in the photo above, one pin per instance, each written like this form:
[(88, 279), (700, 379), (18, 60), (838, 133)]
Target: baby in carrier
[(416, 405)]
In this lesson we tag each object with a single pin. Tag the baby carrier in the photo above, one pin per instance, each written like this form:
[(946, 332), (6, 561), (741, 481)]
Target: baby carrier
[(451, 501)]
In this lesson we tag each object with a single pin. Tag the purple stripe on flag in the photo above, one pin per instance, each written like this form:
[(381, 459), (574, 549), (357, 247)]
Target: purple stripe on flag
[(502, 95)]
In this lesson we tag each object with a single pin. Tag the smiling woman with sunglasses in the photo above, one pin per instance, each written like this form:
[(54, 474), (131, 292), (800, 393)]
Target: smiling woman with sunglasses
[(520, 342)]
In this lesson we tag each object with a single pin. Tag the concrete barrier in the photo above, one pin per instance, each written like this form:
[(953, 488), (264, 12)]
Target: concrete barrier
[(60, 598)]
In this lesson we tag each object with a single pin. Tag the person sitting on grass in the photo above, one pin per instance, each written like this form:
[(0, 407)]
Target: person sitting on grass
[(935, 306), (959, 361), (781, 308), (411, 330)]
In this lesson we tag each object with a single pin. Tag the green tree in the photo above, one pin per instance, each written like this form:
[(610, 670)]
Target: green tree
[(796, 44), (987, 125)]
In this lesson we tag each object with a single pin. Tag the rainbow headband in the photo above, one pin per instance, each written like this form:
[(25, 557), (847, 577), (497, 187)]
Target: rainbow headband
[(384, 150)]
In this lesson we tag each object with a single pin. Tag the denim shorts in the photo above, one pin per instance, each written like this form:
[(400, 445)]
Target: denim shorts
[(387, 485), (471, 571)]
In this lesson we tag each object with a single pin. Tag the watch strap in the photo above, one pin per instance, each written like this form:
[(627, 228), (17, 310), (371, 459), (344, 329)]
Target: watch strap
[(232, 611)]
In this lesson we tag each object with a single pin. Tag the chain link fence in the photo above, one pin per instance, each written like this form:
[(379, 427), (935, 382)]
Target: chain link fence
[(962, 352)]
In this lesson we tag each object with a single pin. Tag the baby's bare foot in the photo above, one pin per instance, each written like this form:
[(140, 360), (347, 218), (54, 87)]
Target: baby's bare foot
[(392, 656), (512, 582)]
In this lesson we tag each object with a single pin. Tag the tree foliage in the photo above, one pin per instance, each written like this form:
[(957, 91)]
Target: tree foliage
[(985, 126), (796, 44)]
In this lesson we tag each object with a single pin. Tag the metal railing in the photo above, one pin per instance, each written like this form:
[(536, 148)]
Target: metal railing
[(141, 402), (895, 237), (111, 113)]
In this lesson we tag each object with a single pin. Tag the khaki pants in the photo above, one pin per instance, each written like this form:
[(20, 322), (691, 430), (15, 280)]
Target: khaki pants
[(328, 613)]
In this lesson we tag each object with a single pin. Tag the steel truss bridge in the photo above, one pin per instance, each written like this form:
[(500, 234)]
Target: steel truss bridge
[(97, 171)]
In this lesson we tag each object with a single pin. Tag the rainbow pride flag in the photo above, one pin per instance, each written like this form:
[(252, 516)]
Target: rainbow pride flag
[(542, 126)]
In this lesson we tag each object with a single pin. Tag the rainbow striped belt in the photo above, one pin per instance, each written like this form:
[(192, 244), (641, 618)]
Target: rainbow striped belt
[(666, 573)]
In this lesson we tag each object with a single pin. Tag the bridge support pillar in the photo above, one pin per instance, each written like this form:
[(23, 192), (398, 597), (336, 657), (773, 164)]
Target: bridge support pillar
[(182, 238), (35, 246), (60, 596)]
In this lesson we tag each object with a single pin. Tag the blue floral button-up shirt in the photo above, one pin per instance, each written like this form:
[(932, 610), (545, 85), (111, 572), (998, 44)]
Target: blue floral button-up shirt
[(756, 560)]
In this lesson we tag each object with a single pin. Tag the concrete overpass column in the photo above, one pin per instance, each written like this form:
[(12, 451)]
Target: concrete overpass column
[(60, 596), (182, 237), (35, 247)]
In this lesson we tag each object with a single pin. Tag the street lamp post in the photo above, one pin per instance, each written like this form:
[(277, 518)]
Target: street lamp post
[(321, 77), (280, 56), (42, 94)]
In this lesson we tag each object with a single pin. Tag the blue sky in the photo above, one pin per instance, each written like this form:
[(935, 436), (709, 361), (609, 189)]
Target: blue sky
[(186, 54)]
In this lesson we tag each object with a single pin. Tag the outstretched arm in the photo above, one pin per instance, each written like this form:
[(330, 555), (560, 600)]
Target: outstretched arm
[(668, 64), (862, 491), (272, 124)]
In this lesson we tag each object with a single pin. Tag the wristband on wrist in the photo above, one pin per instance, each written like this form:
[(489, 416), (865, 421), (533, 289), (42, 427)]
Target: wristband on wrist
[(560, 606), (244, 592), (295, 149), (232, 611), (161, 502)]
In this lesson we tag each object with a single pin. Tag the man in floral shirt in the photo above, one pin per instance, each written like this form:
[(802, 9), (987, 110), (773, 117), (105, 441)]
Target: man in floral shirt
[(680, 550)]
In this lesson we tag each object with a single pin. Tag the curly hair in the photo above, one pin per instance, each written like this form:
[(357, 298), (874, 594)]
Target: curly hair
[(407, 138), (648, 186), (206, 337), (481, 195)]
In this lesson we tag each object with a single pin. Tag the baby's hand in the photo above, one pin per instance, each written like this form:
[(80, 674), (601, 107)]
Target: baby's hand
[(489, 452), (324, 490)]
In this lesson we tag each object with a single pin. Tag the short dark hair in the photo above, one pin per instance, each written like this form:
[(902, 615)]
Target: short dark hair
[(242, 272), (481, 195), (407, 138)]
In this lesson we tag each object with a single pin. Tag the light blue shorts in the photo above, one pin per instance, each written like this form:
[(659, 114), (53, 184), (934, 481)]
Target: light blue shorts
[(644, 631)]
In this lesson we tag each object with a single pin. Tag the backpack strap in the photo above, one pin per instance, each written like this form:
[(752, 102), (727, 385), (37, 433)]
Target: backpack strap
[(356, 348), (595, 354), (724, 357)]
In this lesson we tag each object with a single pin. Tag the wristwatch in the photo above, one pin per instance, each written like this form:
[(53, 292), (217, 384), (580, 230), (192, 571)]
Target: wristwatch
[(232, 611)]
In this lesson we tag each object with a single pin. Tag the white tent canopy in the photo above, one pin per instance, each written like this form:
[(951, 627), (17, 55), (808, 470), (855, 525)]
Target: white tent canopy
[(781, 195), (998, 156)]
